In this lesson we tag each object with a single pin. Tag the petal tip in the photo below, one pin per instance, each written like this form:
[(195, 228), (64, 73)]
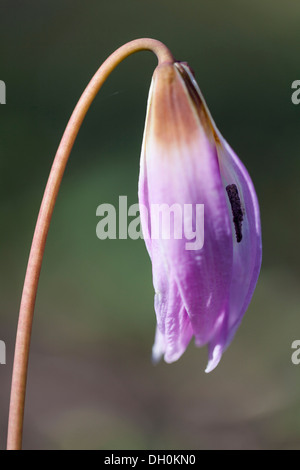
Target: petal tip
[(157, 354), (214, 359)]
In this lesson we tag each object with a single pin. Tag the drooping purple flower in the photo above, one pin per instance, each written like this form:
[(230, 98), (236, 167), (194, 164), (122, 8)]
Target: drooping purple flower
[(201, 292)]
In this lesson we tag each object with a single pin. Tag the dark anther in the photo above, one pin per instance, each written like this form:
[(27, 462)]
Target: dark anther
[(236, 208)]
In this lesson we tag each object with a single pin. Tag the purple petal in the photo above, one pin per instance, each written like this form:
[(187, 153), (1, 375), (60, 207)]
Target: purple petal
[(247, 253), (183, 168)]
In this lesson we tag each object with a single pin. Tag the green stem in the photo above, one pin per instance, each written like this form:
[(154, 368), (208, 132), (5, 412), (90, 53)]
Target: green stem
[(19, 377)]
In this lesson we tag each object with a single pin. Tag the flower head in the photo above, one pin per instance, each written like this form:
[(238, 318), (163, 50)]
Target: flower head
[(202, 288)]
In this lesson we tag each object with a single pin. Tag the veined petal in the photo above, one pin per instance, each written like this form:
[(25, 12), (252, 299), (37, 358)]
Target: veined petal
[(174, 330)]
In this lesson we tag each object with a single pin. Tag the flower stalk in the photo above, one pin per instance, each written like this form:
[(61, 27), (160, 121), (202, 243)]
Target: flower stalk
[(20, 367)]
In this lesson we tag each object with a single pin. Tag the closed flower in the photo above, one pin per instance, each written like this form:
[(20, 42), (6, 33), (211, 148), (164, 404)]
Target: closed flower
[(203, 285)]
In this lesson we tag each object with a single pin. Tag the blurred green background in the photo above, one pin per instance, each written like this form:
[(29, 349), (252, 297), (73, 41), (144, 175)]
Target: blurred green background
[(91, 383)]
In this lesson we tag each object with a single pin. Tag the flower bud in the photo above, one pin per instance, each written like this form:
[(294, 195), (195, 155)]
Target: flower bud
[(201, 224)]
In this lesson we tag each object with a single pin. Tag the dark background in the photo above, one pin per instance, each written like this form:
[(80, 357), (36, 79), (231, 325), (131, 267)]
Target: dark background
[(91, 383)]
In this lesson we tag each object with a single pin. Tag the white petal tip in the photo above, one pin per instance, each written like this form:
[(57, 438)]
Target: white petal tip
[(156, 355), (214, 360)]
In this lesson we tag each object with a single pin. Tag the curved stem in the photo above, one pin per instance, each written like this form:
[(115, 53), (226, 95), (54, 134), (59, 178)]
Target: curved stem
[(19, 377)]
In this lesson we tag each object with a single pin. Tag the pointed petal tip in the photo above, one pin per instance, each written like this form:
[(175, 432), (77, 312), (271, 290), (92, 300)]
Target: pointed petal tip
[(214, 359), (169, 356)]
